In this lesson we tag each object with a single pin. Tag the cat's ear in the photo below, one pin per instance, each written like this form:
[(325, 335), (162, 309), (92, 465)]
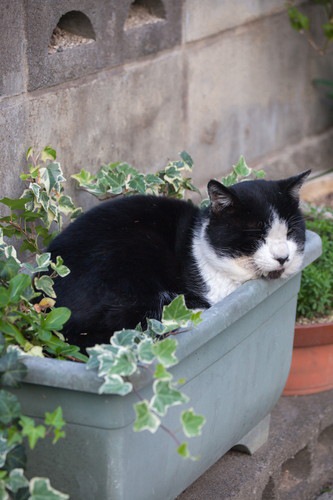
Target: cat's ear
[(294, 184), (220, 196)]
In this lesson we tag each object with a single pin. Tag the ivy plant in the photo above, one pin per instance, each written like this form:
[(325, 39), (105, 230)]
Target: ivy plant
[(33, 326), (131, 351), (17, 429), (121, 178), (301, 22)]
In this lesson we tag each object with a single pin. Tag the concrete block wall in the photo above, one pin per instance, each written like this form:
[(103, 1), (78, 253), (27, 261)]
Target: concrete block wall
[(296, 463), (216, 78)]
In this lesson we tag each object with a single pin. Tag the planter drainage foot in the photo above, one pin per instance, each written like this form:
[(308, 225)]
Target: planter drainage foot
[(254, 439)]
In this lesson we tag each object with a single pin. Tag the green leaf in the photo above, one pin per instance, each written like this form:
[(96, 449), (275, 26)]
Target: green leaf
[(115, 384), (56, 421), (123, 364), (12, 331), (10, 408), (176, 313), (165, 352), (17, 286), (4, 450), (186, 158), (41, 489), (12, 371), (328, 30), (145, 418), (183, 450), (43, 260), (59, 267), (17, 480), (9, 268), (298, 21), (32, 431), (161, 373), (124, 338), (241, 169), (192, 423), (66, 204), (4, 297), (52, 176), (56, 318), (145, 352), (166, 396), (16, 458), (14, 203), (29, 153), (45, 284), (48, 153), (55, 418)]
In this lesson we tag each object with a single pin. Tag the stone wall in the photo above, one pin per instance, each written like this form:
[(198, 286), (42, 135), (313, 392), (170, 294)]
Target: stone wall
[(140, 81)]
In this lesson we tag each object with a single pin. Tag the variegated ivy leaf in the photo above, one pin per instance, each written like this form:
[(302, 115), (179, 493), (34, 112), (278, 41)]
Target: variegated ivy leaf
[(165, 352), (165, 395), (145, 352), (97, 353), (48, 153), (4, 450), (45, 284), (59, 267), (156, 327), (10, 408), (17, 480), (66, 205), (177, 315), (145, 418), (124, 338), (124, 364), (115, 384), (41, 489), (51, 176), (192, 424), (242, 169), (43, 260), (187, 159)]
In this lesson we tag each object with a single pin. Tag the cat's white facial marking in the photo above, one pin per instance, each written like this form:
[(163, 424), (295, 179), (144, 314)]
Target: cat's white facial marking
[(277, 255), (222, 275)]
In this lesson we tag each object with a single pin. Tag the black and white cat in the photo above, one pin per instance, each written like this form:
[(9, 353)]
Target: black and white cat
[(131, 256)]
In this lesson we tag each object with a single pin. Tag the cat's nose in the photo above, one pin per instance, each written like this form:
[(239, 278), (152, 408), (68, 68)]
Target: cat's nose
[(281, 260)]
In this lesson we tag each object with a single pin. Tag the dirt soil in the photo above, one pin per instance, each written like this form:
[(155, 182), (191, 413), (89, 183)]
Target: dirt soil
[(62, 40)]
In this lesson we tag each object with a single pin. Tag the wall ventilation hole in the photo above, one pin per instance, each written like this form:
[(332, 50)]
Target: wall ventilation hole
[(72, 30), (144, 12)]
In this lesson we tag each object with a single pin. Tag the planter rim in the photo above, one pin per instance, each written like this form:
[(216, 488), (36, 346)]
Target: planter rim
[(314, 334), (75, 376)]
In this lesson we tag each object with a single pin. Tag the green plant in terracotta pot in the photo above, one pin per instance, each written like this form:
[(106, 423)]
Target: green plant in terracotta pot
[(312, 365)]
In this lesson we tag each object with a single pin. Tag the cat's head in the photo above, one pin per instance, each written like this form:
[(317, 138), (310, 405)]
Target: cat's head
[(258, 225)]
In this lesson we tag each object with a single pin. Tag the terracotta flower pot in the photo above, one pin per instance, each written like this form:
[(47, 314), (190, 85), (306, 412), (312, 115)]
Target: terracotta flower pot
[(312, 361)]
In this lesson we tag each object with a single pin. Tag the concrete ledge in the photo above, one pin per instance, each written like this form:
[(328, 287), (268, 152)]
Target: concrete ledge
[(202, 19), (295, 463)]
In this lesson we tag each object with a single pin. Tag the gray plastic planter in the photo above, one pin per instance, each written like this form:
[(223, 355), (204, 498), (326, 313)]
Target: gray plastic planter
[(235, 363)]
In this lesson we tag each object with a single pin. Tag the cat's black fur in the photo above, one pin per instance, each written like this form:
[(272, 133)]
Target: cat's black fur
[(130, 256)]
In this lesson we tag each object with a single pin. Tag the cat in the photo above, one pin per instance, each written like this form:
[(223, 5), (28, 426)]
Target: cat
[(132, 255)]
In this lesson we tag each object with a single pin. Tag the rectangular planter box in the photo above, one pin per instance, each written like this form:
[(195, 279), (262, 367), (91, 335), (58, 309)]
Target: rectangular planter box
[(235, 365)]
